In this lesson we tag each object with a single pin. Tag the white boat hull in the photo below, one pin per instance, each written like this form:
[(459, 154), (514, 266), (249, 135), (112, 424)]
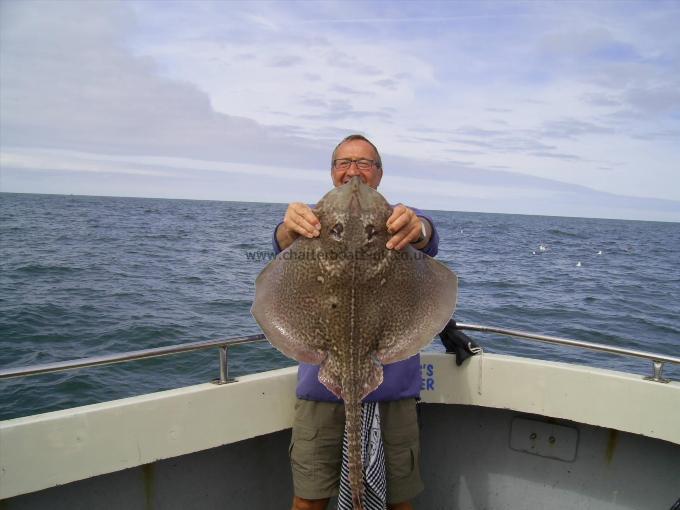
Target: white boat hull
[(615, 443)]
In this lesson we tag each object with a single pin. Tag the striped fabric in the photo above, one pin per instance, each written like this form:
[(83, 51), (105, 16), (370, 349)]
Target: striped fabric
[(373, 454)]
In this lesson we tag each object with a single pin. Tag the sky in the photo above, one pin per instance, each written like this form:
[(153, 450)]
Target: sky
[(560, 108)]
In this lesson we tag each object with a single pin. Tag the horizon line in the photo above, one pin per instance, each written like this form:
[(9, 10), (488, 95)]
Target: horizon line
[(285, 203)]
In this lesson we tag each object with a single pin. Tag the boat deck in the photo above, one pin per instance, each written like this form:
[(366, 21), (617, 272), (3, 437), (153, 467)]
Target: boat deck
[(472, 458), (498, 433)]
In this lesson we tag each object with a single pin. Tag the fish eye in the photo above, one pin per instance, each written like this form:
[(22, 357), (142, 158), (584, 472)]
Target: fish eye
[(370, 232), (336, 231)]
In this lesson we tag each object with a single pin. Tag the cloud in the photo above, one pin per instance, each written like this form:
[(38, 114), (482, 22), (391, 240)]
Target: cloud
[(285, 61), (571, 128), (503, 142), (78, 89), (342, 89), (59, 161), (663, 99), (428, 139), (555, 98), (473, 153), (75, 172), (476, 131), (387, 83), (601, 99), (666, 135), (340, 110), (75, 161), (449, 186), (557, 155), (263, 21), (594, 43)]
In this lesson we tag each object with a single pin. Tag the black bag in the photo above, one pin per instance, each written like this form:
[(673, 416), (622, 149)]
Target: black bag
[(458, 343)]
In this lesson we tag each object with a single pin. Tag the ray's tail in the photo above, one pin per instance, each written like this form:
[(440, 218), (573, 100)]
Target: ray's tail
[(353, 415)]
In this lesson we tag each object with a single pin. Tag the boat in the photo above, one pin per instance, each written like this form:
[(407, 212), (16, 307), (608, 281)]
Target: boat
[(499, 432)]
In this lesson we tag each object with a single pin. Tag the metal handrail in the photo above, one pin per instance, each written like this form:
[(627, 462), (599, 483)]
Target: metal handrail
[(110, 359), (223, 345), (657, 359), (572, 343)]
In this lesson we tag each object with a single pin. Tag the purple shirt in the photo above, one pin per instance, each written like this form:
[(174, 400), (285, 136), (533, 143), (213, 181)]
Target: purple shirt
[(400, 380)]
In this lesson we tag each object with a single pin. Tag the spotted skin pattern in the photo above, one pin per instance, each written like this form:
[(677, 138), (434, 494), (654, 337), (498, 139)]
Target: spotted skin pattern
[(346, 302)]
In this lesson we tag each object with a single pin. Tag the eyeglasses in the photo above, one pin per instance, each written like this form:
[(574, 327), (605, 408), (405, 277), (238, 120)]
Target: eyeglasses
[(344, 163)]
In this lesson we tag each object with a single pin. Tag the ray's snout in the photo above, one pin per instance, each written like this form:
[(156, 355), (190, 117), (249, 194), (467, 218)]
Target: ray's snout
[(359, 195), (355, 197)]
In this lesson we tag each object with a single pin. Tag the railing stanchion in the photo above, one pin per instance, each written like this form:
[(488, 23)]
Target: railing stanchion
[(224, 365), (657, 369)]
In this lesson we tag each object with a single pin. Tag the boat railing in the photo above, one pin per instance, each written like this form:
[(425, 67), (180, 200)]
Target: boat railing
[(223, 345)]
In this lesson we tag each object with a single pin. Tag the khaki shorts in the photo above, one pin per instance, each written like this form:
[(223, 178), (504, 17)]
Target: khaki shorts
[(316, 449)]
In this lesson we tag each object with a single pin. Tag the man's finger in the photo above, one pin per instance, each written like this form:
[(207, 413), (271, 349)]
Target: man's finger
[(311, 218), (304, 227), (413, 234), (399, 223), (307, 213), (397, 212), (298, 224), (302, 220), (403, 238), (401, 218)]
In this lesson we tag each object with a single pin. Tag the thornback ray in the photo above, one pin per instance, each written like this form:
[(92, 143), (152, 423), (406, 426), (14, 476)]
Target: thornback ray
[(347, 303)]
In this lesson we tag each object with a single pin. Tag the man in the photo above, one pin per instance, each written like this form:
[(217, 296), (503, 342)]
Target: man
[(316, 444)]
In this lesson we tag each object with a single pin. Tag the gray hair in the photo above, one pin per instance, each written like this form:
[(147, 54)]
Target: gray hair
[(378, 161)]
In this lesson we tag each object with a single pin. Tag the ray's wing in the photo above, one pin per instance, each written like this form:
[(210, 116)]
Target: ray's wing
[(286, 294), (422, 295), (330, 375)]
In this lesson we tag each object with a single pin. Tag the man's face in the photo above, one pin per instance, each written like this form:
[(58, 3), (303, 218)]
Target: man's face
[(356, 149)]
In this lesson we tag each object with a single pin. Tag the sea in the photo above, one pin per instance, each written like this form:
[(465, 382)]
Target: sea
[(84, 276)]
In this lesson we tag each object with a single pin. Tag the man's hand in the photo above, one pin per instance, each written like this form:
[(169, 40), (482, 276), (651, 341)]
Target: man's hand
[(299, 220), (405, 228)]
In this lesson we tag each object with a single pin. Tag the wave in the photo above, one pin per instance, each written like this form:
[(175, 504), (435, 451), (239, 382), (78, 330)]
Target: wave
[(557, 232), (47, 269)]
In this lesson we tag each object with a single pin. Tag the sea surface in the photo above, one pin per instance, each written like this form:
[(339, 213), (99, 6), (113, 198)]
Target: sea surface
[(84, 276)]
